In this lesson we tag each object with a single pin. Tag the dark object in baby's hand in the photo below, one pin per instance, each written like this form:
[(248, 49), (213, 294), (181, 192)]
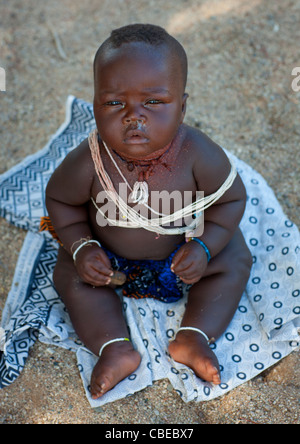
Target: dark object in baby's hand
[(118, 278)]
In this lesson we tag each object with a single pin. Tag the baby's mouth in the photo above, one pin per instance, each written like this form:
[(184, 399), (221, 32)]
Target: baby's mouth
[(135, 136)]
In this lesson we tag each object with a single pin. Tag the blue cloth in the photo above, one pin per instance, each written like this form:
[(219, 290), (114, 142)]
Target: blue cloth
[(149, 278)]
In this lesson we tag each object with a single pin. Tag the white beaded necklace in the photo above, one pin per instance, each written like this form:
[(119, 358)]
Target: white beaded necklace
[(130, 218)]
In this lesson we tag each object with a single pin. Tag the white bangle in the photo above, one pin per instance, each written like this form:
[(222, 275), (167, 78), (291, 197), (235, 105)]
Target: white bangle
[(111, 342), (209, 341), (83, 244)]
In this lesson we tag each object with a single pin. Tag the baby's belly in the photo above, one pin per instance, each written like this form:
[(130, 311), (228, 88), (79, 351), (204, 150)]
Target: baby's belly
[(137, 243)]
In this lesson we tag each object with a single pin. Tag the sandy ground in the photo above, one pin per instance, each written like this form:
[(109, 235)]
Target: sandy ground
[(241, 57)]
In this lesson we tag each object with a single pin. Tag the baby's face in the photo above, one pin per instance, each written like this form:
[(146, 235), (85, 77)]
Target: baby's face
[(139, 100)]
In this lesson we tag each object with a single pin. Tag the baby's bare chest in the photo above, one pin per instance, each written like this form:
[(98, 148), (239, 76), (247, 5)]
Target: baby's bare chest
[(168, 187), (169, 190)]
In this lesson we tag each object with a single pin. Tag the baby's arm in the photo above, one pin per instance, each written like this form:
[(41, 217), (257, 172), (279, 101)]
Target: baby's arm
[(67, 195), (221, 220)]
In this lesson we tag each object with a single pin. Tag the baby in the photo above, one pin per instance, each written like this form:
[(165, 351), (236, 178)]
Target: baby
[(141, 143)]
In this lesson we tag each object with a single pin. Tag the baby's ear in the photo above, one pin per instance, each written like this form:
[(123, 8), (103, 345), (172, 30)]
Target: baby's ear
[(184, 100)]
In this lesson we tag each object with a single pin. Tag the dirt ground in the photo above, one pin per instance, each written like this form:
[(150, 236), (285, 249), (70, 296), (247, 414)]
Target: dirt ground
[(241, 55)]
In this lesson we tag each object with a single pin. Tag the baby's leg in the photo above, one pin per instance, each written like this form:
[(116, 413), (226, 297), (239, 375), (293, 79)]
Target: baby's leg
[(96, 314), (211, 305)]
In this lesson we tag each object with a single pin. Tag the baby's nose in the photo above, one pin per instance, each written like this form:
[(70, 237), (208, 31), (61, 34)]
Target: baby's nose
[(134, 114), (136, 122)]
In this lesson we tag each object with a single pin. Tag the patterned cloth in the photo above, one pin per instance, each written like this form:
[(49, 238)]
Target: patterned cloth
[(149, 278), (263, 330)]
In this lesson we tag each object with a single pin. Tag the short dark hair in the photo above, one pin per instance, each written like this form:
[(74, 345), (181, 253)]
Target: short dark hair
[(150, 34)]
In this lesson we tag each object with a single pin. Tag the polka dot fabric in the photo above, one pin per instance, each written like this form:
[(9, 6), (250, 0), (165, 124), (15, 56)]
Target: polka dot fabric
[(274, 285)]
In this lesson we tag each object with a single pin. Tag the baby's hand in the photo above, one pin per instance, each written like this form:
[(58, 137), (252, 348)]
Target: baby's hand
[(189, 262), (93, 265)]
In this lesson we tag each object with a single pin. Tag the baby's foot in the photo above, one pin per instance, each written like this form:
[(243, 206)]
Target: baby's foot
[(117, 361), (191, 349)]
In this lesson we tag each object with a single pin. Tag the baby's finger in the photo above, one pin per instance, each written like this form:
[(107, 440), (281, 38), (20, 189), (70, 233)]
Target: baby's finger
[(183, 266), (178, 259), (190, 276), (188, 273), (95, 278), (107, 272), (102, 273), (182, 269), (103, 258), (102, 265), (190, 281)]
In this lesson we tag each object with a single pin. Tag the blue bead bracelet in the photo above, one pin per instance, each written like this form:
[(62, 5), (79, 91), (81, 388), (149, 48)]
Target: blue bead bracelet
[(204, 246)]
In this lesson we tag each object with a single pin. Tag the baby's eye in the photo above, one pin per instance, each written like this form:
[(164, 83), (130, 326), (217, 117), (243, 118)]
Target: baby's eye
[(114, 103), (153, 102)]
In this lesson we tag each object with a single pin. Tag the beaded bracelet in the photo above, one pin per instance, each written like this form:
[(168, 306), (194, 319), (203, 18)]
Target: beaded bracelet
[(204, 246)]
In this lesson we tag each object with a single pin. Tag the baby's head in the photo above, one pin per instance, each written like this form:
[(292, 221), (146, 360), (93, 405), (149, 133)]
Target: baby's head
[(140, 75), (155, 36)]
